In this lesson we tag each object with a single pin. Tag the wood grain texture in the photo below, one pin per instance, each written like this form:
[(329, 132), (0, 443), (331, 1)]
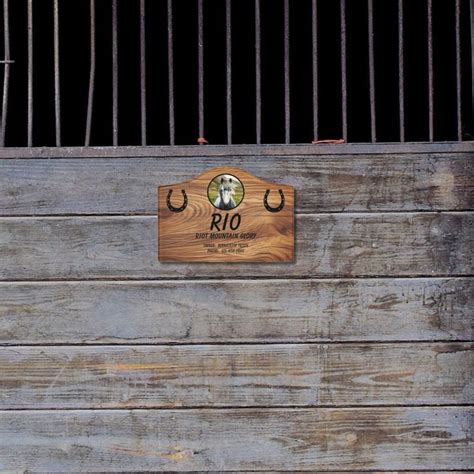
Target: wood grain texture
[(260, 235), (263, 151), (340, 245), (246, 387), (236, 310), (324, 183), (236, 375), (238, 439)]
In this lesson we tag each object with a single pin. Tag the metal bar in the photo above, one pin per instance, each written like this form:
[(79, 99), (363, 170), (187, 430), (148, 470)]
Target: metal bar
[(201, 71), (458, 70), (6, 76), (57, 90), (30, 74), (373, 127), (170, 74), (143, 72), (286, 8), (228, 42), (114, 74), (430, 71), (314, 34), (343, 70), (258, 75), (471, 14), (401, 71), (90, 98)]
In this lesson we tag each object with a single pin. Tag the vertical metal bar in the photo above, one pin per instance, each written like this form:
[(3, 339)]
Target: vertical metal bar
[(201, 71), (114, 74), (143, 71), (401, 71), (373, 128), (170, 74), (314, 34), (258, 75), (90, 98), (6, 77), (343, 69), (228, 42), (286, 8), (57, 91), (471, 14), (458, 70), (430, 71), (30, 74)]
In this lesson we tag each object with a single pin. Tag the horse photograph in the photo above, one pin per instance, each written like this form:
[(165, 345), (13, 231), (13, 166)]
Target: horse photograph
[(225, 192)]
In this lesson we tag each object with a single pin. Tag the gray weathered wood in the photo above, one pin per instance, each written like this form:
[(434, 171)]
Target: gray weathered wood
[(326, 245), (237, 310), (236, 375), (327, 183), (252, 439), (368, 185), (267, 151)]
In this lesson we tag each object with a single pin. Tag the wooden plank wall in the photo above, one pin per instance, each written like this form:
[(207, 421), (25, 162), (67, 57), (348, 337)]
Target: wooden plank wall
[(357, 357)]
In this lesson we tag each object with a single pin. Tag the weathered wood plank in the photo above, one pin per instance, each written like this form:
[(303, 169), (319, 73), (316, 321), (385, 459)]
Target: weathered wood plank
[(342, 245), (237, 310), (266, 150), (236, 375), (327, 183), (281, 439)]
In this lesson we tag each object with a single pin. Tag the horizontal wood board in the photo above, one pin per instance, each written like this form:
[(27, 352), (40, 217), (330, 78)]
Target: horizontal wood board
[(236, 375), (330, 245), (203, 311), (436, 438), (267, 151), (357, 183)]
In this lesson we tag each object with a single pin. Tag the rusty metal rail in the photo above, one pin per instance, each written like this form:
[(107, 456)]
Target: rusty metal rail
[(231, 73)]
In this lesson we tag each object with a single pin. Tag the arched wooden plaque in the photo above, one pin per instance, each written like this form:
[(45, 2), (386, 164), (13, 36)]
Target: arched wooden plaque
[(226, 215)]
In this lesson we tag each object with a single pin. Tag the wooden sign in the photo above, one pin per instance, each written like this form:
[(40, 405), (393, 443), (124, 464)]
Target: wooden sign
[(226, 215)]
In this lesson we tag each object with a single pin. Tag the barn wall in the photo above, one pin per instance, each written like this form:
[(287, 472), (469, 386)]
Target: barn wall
[(358, 356)]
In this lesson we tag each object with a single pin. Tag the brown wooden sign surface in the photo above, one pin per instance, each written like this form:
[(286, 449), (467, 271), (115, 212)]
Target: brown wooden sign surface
[(226, 215)]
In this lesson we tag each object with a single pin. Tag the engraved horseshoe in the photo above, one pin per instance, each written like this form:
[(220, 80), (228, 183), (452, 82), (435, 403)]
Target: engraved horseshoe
[(176, 209), (274, 209)]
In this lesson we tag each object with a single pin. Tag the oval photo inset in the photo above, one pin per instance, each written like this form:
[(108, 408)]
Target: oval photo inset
[(225, 192)]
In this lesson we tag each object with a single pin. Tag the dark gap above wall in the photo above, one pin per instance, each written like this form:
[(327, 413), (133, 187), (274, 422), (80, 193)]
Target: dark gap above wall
[(74, 50)]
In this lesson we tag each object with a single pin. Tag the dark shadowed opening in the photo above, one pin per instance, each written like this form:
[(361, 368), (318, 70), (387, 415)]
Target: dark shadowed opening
[(74, 31)]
